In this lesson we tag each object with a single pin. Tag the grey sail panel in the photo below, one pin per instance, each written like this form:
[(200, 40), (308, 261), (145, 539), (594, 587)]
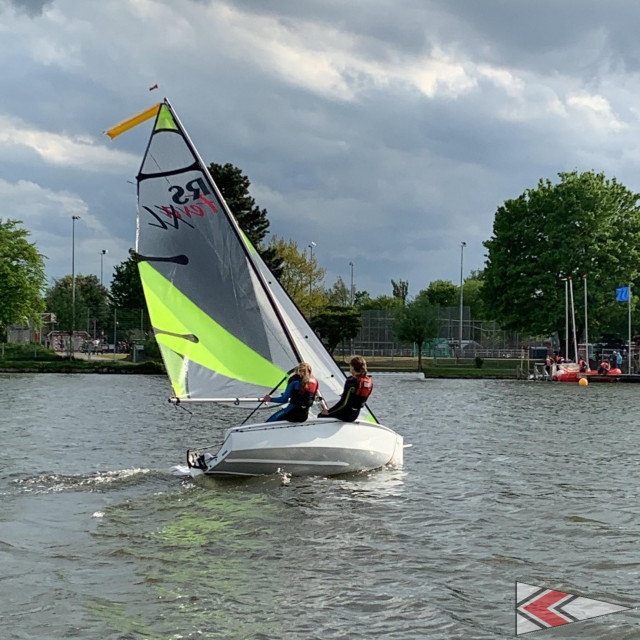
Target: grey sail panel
[(206, 304)]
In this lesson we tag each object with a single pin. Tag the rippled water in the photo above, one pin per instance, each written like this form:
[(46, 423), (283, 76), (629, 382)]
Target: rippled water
[(506, 481)]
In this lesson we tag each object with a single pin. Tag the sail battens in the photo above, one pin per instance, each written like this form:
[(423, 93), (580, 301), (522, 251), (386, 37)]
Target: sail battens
[(181, 259), (166, 174), (190, 337)]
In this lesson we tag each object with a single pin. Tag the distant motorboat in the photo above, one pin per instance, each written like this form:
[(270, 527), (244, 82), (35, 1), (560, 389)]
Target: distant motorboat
[(570, 372)]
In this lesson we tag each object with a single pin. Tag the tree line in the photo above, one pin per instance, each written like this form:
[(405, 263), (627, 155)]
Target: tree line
[(583, 228)]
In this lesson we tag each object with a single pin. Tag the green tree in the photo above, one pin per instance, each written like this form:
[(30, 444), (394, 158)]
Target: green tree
[(472, 298), (416, 322), (400, 290), (91, 304), (22, 277), (126, 286), (300, 275), (234, 187), (443, 293), (381, 303), (583, 225), (339, 293), (336, 323), (361, 298), (127, 297)]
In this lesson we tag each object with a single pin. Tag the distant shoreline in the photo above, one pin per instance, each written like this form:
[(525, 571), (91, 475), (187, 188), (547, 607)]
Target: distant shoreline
[(116, 364), (156, 368), (81, 366)]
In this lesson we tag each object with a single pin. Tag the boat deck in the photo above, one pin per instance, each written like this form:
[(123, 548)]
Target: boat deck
[(616, 377)]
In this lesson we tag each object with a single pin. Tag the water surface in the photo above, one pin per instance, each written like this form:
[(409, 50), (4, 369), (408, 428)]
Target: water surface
[(505, 481)]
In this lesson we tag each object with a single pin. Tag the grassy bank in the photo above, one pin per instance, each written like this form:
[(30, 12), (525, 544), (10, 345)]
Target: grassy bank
[(34, 358), (64, 365), (37, 359)]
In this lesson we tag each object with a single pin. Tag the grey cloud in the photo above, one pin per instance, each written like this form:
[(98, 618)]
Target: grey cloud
[(30, 7)]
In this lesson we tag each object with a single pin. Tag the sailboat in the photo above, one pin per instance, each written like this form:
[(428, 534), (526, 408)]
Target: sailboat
[(227, 330)]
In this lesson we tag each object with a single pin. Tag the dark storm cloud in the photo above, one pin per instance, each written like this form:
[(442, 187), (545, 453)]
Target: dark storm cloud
[(30, 7)]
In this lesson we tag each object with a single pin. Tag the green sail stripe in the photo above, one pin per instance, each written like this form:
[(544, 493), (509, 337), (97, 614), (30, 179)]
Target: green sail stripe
[(165, 119), (174, 364), (216, 349), (252, 249)]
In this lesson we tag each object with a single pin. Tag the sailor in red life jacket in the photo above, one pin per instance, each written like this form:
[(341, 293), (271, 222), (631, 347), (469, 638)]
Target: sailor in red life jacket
[(301, 392), (357, 388)]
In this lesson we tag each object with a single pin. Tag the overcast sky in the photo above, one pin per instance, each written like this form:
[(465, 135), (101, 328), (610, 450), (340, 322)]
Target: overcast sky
[(385, 131)]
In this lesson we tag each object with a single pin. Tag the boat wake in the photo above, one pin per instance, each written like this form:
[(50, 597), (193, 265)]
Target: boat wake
[(99, 481)]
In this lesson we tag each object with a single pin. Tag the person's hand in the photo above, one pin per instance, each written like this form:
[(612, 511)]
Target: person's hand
[(267, 398), (324, 412)]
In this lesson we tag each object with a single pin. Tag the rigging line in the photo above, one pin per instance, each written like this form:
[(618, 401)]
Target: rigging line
[(180, 406), (286, 375)]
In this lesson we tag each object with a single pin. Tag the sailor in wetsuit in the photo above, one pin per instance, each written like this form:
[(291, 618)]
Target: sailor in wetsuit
[(300, 393), (357, 388)]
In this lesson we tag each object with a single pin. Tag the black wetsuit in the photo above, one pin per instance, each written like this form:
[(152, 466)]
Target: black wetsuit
[(351, 401)]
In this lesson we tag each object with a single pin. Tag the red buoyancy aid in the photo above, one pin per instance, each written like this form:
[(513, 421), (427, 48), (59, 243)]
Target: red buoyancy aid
[(363, 391), (305, 396)]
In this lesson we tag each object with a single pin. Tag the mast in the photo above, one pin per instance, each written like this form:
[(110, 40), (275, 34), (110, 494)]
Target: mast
[(573, 322), (629, 350), (586, 323), (566, 317)]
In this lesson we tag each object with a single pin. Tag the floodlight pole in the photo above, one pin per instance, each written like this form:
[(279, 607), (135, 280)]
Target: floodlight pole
[(462, 246), (73, 285), (351, 296), (102, 253)]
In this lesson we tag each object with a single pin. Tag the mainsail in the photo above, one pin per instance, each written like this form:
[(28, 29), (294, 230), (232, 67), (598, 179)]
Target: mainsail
[(225, 326)]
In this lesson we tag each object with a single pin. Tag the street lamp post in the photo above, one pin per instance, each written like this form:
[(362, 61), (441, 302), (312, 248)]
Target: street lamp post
[(351, 299), (462, 246), (73, 285), (351, 296), (311, 245), (102, 253)]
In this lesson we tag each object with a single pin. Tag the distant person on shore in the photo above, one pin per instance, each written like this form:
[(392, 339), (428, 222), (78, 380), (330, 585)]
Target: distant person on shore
[(357, 388), (548, 367), (618, 360), (300, 394)]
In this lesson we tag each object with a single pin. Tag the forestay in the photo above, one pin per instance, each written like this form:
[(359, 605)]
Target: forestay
[(225, 326)]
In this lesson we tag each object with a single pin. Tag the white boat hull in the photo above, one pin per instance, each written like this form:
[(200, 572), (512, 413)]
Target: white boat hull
[(318, 447)]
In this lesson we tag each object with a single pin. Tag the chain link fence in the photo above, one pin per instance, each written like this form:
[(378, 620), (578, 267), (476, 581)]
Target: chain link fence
[(479, 337)]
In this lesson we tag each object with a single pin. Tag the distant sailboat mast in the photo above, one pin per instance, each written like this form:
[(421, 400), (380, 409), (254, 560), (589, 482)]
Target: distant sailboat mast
[(566, 318), (573, 322), (586, 323)]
